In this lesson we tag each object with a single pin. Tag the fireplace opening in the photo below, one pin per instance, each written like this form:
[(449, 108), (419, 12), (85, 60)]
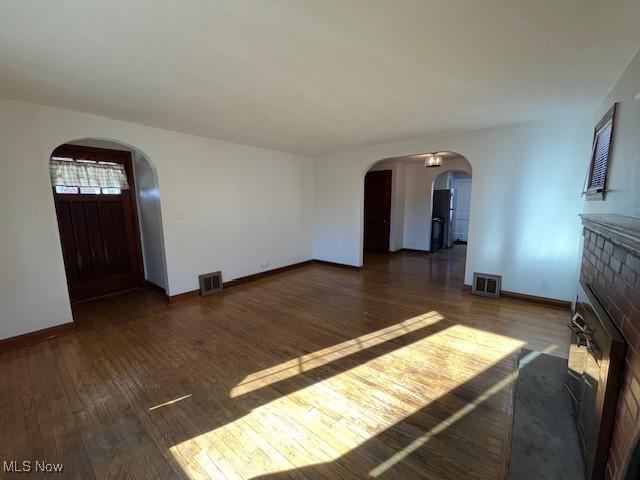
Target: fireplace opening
[(596, 360), (611, 268)]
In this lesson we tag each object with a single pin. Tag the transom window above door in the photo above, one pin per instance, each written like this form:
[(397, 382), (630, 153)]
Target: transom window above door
[(86, 176)]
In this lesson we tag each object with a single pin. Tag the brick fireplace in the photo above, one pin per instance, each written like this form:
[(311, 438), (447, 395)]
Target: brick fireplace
[(611, 267)]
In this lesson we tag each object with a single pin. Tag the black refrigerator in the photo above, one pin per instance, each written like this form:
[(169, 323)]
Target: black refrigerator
[(442, 220)]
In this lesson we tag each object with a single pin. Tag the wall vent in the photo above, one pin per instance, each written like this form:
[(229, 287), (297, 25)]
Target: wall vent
[(210, 283), (486, 284)]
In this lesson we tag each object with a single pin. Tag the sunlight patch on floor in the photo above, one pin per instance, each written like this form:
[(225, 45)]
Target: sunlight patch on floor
[(328, 419), (418, 442), (170, 402), (331, 354)]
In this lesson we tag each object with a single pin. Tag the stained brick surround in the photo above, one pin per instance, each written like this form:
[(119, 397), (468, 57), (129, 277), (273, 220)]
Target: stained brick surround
[(611, 266)]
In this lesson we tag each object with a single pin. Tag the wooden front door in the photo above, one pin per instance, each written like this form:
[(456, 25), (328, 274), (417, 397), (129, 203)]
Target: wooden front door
[(99, 232), (377, 211)]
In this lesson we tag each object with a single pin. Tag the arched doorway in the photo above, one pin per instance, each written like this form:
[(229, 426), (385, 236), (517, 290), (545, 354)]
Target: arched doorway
[(450, 206), (108, 210), (401, 197), (399, 191)]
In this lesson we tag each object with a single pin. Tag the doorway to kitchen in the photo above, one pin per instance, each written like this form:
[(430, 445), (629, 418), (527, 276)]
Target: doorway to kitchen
[(451, 201)]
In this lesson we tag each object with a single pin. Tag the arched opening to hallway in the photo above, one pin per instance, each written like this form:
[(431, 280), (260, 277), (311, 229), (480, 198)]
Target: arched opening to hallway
[(419, 211), (107, 202), (450, 201)]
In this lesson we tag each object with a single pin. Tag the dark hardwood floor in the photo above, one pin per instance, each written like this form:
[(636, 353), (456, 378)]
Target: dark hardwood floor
[(317, 372)]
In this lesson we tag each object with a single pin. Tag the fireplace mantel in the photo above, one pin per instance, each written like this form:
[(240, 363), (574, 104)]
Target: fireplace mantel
[(621, 230)]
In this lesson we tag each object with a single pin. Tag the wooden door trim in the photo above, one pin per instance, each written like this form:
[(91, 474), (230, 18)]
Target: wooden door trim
[(123, 157)]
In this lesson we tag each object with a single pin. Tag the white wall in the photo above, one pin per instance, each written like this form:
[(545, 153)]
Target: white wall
[(623, 181), (150, 218), (525, 201), (417, 207), (444, 180), (462, 207), (420, 182), (397, 224), (225, 207)]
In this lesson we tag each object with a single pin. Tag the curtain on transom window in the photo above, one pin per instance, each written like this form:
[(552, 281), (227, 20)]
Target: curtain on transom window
[(68, 172)]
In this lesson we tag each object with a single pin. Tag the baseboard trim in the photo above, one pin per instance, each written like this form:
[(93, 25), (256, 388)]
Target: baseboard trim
[(107, 295), (535, 299), (155, 287), (255, 276), (337, 265), (171, 299), (31, 338), (412, 250), (238, 281), (529, 298)]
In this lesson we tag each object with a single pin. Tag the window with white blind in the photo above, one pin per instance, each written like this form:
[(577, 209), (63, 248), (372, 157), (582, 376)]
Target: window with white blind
[(602, 141)]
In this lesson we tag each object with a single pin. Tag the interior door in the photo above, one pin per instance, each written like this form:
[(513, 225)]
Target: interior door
[(377, 211), (99, 232)]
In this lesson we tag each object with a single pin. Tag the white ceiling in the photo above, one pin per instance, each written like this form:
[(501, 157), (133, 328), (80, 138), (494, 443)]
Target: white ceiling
[(316, 76)]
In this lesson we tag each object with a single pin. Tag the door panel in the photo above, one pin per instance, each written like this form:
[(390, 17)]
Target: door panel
[(377, 211), (99, 233), (81, 242)]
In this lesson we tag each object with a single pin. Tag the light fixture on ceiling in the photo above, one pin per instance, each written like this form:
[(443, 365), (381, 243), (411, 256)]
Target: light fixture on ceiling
[(433, 160)]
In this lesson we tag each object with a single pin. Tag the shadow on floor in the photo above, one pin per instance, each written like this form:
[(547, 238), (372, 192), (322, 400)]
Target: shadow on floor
[(545, 438)]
